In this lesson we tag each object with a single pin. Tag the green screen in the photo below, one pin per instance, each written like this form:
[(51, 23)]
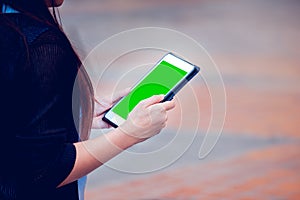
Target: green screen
[(161, 79)]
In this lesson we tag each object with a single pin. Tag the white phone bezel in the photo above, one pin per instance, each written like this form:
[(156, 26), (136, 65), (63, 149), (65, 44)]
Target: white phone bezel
[(170, 58)]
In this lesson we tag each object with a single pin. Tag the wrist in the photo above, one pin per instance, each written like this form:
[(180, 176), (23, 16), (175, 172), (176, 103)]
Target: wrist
[(121, 139)]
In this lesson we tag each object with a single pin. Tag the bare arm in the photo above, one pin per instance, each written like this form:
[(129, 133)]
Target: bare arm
[(146, 120), (92, 153)]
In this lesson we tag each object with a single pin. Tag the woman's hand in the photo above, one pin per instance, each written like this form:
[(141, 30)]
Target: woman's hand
[(147, 118), (102, 105)]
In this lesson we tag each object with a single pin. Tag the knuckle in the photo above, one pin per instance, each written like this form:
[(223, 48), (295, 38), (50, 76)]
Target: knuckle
[(164, 124), (162, 109), (172, 105), (143, 102)]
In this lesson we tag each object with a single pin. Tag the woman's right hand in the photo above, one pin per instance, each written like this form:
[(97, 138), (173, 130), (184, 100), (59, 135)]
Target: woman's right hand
[(147, 118), (144, 121)]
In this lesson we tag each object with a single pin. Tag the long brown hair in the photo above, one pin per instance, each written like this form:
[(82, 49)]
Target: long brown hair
[(38, 9)]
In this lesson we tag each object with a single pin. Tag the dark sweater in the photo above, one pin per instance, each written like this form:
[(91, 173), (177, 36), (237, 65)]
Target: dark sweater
[(37, 73)]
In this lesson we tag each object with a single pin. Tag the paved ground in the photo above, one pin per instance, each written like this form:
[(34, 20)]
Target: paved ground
[(256, 45), (267, 173)]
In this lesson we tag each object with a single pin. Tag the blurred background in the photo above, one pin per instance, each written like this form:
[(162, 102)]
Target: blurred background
[(256, 45)]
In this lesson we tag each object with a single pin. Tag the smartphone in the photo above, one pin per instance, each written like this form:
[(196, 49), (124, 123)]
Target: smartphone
[(167, 77)]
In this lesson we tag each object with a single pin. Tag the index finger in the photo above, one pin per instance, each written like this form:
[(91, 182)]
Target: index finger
[(168, 105), (119, 94)]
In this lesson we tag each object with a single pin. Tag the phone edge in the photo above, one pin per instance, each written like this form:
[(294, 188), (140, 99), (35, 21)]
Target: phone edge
[(170, 95)]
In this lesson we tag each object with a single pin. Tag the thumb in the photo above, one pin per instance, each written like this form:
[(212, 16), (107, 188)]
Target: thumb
[(152, 100)]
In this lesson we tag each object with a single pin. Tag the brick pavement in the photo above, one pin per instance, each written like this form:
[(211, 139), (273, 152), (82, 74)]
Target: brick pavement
[(269, 173)]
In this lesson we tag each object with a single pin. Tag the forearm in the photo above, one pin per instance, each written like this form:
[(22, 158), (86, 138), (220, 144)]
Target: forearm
[(93, 153)]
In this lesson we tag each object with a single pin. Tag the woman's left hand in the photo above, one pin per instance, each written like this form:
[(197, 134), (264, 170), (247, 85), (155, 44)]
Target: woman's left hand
[(102, 105)]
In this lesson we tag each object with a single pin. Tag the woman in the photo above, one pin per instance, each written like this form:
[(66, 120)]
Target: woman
[(42, 156)]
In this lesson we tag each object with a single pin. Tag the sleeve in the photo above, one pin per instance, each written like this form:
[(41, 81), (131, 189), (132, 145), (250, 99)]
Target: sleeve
[(44, 143)]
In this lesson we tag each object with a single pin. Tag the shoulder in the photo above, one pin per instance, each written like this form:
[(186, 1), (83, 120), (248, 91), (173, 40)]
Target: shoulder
[(38, 33), (33, 38), (30, 30), (10, 37), (12, 49), (30, 45)]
